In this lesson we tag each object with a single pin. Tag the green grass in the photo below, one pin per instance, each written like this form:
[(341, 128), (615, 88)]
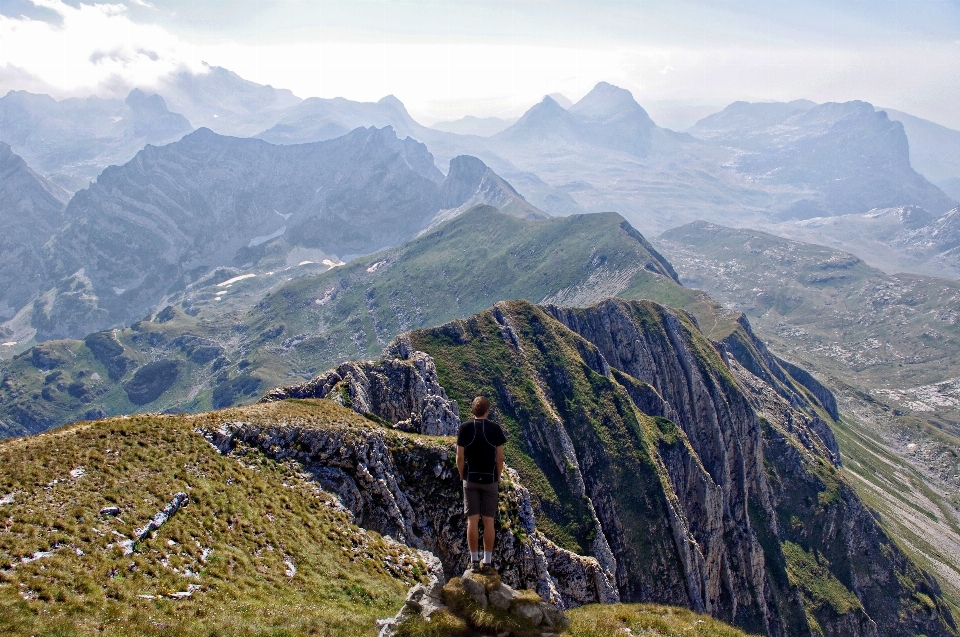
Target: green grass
[(653, 620), (247, 515), (811, 572)]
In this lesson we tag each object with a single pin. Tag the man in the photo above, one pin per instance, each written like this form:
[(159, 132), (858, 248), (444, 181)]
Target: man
[(480, 462)]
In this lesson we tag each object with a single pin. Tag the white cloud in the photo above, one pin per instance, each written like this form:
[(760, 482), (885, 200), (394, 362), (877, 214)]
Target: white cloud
[(96, 49), (102, 49)]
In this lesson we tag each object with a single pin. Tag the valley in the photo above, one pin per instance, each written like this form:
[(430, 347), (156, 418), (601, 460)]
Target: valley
[(886, 345)]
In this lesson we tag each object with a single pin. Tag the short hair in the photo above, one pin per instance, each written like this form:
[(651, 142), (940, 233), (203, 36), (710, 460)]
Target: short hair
[(480, 406)]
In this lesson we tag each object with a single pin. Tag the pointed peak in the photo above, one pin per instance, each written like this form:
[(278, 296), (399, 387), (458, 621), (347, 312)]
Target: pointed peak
[(561, 99)]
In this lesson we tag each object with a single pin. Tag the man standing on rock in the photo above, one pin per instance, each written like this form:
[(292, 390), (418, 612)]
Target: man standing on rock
[(480, 462)]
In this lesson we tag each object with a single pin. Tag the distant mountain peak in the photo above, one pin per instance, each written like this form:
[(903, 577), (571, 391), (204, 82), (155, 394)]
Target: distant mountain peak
[(392, 100), (606, 101), (561, 99), (470, 183)]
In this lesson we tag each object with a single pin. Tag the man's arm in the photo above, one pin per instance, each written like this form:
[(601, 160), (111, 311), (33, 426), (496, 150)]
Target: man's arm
[(499, 462), (460, 461)]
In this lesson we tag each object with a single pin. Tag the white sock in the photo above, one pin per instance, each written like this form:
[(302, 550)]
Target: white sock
[(487, 557), (475, 556)]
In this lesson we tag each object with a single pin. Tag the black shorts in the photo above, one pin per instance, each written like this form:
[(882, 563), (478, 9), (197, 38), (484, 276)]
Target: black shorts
[(480, 499)]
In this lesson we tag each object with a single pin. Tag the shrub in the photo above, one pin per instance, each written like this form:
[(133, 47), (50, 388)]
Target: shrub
[(151, 381)]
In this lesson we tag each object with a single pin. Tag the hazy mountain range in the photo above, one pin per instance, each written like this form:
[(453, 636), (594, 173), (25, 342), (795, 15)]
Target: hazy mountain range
[(174, 213)]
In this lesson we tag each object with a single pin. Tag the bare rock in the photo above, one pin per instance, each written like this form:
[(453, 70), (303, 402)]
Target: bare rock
[(475, 590), (179, 501), (502, 597), (530, 612), (404, 391)]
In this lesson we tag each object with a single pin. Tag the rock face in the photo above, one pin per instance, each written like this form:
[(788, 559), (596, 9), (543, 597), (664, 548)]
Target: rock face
[(409, 489), (404, 393), (710, 489), (30, 212), (853, 156)]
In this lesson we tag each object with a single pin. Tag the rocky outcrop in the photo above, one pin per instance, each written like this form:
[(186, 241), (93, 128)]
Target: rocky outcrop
[(479, 601), (405, 393), (408, 488)]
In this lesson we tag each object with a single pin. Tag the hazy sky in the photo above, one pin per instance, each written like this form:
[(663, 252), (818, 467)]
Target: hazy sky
[(447, 59)]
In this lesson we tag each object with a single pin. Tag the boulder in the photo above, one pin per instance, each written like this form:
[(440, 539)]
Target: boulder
[(553, 616), (475, 590), (489, 581), (502, 597), (529, 612)]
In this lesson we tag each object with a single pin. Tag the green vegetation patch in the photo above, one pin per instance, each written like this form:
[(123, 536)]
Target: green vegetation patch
[(611, 620), (151, 381), (811, 573), (228, 553)]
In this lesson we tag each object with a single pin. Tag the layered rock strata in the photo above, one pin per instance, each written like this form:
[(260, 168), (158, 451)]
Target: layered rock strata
[(648, 464), (408, 488), (692, 479), (405, 393)]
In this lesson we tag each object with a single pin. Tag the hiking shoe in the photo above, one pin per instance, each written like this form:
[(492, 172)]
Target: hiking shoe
[(476, 567), (487, 569)]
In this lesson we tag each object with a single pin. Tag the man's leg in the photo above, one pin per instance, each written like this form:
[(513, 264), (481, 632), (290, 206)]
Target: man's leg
[(488, 534), (473, 533)]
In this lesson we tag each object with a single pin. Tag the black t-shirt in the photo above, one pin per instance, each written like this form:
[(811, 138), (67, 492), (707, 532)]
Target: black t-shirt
[(480, 439)]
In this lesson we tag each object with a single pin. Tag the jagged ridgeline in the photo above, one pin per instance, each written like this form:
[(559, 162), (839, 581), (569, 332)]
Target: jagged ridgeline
[(654, 466)]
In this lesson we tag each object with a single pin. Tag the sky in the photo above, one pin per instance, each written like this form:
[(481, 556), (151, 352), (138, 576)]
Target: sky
[(682, 59)]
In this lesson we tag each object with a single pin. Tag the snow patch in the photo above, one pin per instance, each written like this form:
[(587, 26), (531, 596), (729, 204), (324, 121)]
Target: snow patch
[(305, 263), (332, 264), (230, 282), (267, 237), (376, 266)]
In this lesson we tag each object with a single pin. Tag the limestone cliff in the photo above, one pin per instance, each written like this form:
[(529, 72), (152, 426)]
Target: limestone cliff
[(648, 464)]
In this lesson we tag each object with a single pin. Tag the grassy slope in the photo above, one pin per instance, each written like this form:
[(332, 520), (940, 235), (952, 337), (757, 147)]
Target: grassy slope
[(645, 619), (861, 331), (458, 269), (251, 515)]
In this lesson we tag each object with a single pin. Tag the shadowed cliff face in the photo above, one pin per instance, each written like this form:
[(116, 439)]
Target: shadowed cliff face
[(689, 477), (650, 465)]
